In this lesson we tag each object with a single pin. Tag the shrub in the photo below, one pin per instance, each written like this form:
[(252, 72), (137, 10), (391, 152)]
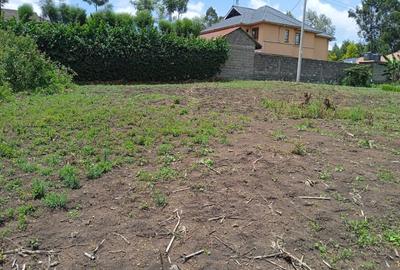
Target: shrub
[(25, 12), (24, 68), (392, 68), (55, 200), (68, 176), (125, 53), (358, 75)]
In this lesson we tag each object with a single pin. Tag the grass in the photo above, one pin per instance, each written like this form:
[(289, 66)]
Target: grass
[(54, 200), (69, 176), (299, 149)]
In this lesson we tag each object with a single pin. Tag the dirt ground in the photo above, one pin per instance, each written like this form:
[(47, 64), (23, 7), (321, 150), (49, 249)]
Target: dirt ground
[(252, 202)]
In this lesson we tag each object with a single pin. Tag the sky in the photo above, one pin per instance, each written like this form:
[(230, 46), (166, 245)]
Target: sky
[(337, 10)]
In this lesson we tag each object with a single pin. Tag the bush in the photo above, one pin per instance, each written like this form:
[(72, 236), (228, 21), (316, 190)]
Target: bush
[(98, 51), (39, 188), (25, 12), (24, 68), (358, 75)]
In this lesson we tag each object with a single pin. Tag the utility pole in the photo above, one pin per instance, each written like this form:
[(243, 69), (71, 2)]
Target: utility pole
[(301, 43)]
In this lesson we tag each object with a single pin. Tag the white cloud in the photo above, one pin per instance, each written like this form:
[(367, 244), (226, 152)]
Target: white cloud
[(260, 3), (346, 28), (194, 10), (14, 4), (123, 6)]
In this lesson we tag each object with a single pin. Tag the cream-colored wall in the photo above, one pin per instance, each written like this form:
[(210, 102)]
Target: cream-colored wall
[(271, 37)]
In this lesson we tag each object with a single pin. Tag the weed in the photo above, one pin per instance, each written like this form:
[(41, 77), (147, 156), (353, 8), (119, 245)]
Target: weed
[(69, 178), (386, 176), (165, 149), (144, 206), (97, 170), (363, 232), (279, 135), (88, 150), (368, 266), (145, 176), (159, 198), (305, 125), (166, 173), (299, 149), (325, 175), (13, 185), (34, 243), (54, 200), (392, 236), (322, 248), (360, 178), (207, 161), (367, 144), (73, 213), (339, 168), (315, 226)]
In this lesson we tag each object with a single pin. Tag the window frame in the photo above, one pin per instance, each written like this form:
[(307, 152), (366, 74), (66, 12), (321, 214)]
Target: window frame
[(286, 36), (255, 32), (297, 38)]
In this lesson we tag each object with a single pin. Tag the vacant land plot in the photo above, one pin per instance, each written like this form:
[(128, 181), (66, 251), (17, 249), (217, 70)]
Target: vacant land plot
[(255, 175)]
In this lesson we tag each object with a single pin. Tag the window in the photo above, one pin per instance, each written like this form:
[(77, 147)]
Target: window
[(297, 39), (254, 33), (286, 37)]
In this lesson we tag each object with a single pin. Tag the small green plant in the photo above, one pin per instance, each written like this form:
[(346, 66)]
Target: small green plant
[(73, 213), (166, 173), (363, 232), (165, 149), (393, 236), (368, 144), (368, 266), (299, 149), (144, 206), (145, 176), (97, 170), (390, 87), (39, 188), (339, 168), (322, 248), (207, 161), (55, 200), (305, 125), (159, 198), (386, 176), (34, 243), (325, 175), (69, 177), (315, 226), (279, 135)]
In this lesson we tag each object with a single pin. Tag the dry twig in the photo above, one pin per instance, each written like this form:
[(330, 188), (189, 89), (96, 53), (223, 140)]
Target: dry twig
[(188, 257), (123, 237), (255, 161), (174, 232), (92, 255), (315, 198)]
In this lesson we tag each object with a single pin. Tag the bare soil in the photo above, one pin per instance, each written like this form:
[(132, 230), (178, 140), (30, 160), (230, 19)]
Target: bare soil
[(250, 202)]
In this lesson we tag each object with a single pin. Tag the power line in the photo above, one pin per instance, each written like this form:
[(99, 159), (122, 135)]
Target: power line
[(298, 2)]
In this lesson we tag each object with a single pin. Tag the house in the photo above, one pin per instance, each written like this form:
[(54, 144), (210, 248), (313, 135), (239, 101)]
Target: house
[(276, 32), (12, 13), (370, 58)]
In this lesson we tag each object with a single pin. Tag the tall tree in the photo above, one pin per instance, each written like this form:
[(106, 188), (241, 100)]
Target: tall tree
[(172, 6), (97, 3), (49, 10), (320, 22), (378, 22), (25, 12), (2, 3), (211, 16), (141, 5)]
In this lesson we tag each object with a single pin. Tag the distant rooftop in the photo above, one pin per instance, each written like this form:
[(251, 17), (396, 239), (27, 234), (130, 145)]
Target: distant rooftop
[(238, 15), (12, 13)]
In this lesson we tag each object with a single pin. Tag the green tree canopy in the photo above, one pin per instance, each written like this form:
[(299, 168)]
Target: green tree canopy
[(97, 3), (141, 5), (320, 22), (172, 6), (379, 24), (25, 12), (211, 16)]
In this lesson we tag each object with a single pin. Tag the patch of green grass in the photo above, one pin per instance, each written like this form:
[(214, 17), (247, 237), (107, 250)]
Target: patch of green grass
[(299, 149), (38, 189), (392, 236), (315, 226), (166, 174), (207, 161), (165, 148), (386, 176), (369, 265), (68, 175), (55, 200), (390, 87), (339, 168), (325, 175), (6, 150), (26, 166), (362, 230), (279, 135), (145, 176), (304, 126), (13, 185), (159, 198), (74, 213), (367, 144), (97, 170), (322, 248)]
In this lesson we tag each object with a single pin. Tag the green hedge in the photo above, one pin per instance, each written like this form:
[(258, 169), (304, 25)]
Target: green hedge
[(123, 53)]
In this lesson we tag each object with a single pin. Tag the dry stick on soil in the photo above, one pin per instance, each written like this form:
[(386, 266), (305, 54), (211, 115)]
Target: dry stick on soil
[(174, 232), (315, 198), (182, 189), (123, 237), (293, 258), (25, 252), (92, 256), (225, 244), (188, 257), (255, 161), (210, 168), (277, 265)]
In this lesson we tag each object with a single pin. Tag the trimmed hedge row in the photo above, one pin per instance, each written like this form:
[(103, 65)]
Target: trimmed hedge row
[(123, 53)]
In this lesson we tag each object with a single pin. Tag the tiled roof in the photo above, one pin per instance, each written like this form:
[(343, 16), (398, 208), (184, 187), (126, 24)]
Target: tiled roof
[(227, 31), (250, 16)]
